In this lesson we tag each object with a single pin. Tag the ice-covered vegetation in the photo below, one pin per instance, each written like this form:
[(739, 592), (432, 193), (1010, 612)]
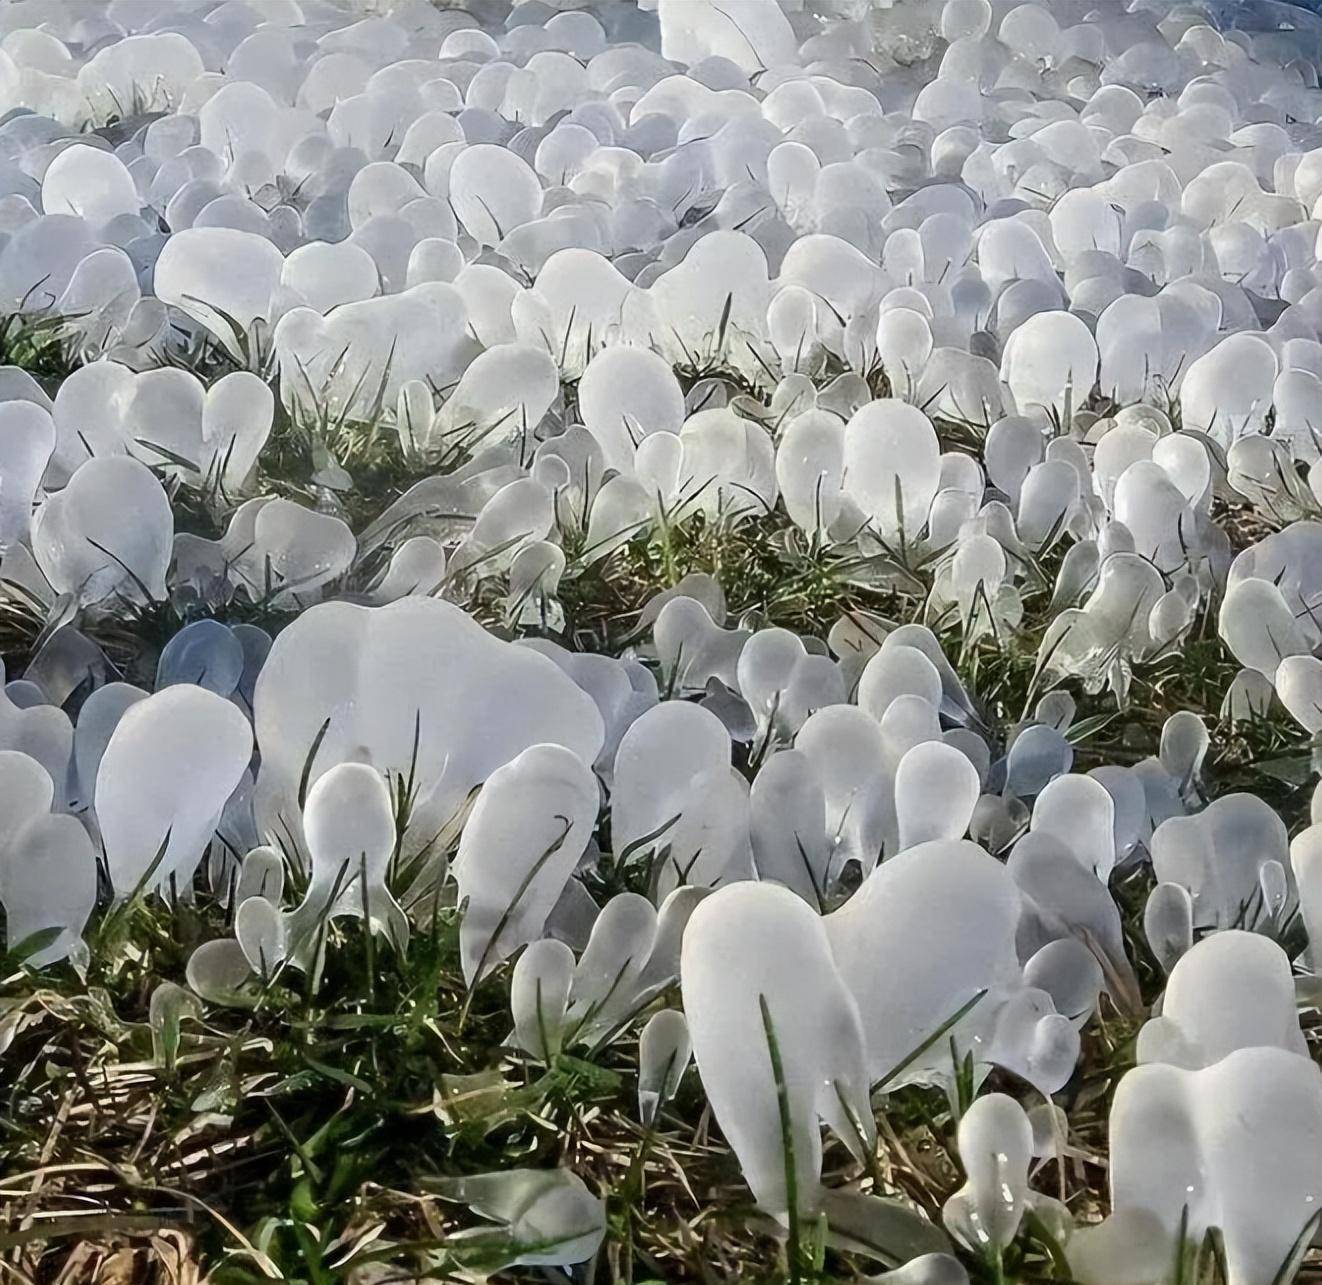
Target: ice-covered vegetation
[(675, 640)]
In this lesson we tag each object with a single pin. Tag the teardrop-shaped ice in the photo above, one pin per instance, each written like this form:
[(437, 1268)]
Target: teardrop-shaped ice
[(97, 721), (748, 34), (810, 469), (664, 1052), (1258, 627), (218, 971), (1232, 990), (1235, 1145), (892, 468), (758, 976), (1299, 685), (356, 359), (236, 421), (91, 183), (260, 930), (109, 532), (996, 1148), (677, 802), (171, 763), (417, 688), (548, 1217), (765, 669), (624, 395), (1169, 923), (936, 790), (1184, 745), (539, 996), (692, 648), (520, 845), (27, 439), (1077, 811), (1051, 362), (894, 672), (1217, 855), (221, 277), (729, 469), (788, 821), (608, 978), (47, 865), (954, 891), (261, 874), (206, 653), (1063, 898), (1037, 756), (1228, 391), (493, 192), (323, 274), (290, 552), (847, 748), (501, 397), (349, 822)]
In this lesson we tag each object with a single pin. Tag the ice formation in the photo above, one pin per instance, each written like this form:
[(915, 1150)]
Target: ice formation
[(972, 349)]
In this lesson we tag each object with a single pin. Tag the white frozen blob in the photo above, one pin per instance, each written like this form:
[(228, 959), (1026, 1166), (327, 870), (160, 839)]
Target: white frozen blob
[(761, 988), (521, 843), (892, 468), (107, 535), (163, 780), (47, 867), (1236, 1146), (996, 1147), (972, 988), (729, 482), (349, 825), (419, 691), (1232, 990)]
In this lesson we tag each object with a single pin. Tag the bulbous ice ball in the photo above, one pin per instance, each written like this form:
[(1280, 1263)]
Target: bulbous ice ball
[(1049, 361), (1232, 990), (810, 469), (349, 823), (521, 844), (39, 260), (1258, 626), (27, 439), (676, 790), (502, 397), (754, 956), (323, 274), (728, 465), (1234, 1145), (1227, 392), (367, 350), (171, 764), (752, 34), (996, 1146), (205, 653), (93, 184), (961, 19), (384, 675), (109, 532), (1030, 30), (1218, 855), (292, 551), (493, 192), (221, 277), (892, 467), (625, 395), (955, 888)]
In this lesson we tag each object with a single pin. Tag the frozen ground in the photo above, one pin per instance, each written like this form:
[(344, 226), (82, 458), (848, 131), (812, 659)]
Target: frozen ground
[(660, 642)]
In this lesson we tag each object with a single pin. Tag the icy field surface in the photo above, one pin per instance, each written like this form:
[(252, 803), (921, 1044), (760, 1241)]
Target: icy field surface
[(646, 638)]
